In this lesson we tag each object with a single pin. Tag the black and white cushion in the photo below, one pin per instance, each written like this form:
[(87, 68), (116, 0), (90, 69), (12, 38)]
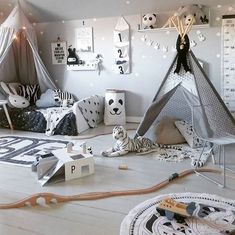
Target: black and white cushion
[(30, 92), (188, 133), (92, 110)]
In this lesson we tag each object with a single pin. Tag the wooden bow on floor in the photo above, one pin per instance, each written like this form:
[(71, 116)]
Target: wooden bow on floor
[(52, 198)]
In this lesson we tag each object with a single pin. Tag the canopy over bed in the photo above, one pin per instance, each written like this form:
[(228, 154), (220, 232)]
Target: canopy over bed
[(19, 57)]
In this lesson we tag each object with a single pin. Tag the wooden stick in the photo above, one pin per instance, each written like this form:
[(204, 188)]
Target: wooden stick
[(181, 26), (51, 197), (176, 27), (189, 26)]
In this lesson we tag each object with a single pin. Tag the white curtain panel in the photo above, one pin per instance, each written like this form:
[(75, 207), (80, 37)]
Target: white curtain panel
[(19, 58)]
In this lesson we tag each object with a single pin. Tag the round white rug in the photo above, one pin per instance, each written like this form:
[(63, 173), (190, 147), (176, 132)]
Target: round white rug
[(214, 215)]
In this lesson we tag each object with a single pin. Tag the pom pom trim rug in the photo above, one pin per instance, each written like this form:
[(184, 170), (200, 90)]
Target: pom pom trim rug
[(213, 215)]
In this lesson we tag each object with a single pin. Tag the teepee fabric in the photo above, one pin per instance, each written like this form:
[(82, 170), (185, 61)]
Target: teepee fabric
[(19, 58), (181, 94)]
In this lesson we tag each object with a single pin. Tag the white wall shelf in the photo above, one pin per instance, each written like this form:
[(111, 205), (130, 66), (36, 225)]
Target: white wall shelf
[(199, 26), (163, 17), (85, 67)]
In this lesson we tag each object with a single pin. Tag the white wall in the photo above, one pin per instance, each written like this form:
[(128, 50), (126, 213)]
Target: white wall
[(148, 65)]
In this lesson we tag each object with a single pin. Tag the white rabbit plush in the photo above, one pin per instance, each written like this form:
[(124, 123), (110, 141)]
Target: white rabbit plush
[(14, 99)]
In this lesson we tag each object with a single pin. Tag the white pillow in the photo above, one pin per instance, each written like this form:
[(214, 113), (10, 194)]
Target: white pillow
[(187, 132)]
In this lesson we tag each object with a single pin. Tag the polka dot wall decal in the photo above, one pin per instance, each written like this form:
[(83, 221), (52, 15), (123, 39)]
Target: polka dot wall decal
[(198, 32), (218, 6), (167, 32), (102, 38), (132, 37), (34, 24), (128, 2), (230, 8), (218, 55), (63, 21), (41, 32), (143, 56), (218, 34), (9, 4), (137, 74), (91, 84), (94, 19), (56, 80), (164, 56), (218, 18)]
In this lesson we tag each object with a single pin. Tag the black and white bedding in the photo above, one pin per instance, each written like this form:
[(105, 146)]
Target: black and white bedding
[(84, 114), (30, 119)]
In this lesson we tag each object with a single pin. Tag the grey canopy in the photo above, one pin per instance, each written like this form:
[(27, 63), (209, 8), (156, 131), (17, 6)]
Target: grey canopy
[(190, 97), (19, 57)]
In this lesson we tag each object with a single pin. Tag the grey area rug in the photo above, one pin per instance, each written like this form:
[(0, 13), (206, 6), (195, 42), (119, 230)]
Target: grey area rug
[(22, 151)]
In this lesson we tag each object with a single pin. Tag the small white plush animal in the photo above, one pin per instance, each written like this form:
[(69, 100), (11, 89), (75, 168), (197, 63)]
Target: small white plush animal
[(15, 100), (125, 144)]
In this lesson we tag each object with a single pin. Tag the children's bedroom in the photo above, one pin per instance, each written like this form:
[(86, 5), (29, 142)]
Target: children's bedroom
[(117, 117)]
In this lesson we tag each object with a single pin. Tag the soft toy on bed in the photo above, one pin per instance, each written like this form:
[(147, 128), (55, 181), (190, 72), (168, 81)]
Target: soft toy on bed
[(14, 99), (195, 10), (125, 144), (64, 99)]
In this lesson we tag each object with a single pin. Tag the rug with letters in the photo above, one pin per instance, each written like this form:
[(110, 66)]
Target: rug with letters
[(19, 150)]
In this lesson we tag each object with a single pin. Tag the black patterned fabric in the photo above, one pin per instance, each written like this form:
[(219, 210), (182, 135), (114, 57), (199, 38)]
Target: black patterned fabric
[(30, 92), (30, 120), (92, 110)]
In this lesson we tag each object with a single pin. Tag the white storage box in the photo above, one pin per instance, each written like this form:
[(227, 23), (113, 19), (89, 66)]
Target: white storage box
[(115, 112)]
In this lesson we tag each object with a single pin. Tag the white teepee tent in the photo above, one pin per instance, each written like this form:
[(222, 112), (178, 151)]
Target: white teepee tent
[(19, 57)]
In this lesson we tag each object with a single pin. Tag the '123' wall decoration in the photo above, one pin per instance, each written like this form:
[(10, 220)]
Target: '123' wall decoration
[(122, 46)]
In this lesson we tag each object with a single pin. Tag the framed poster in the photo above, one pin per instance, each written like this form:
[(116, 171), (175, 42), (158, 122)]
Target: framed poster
[(58, 52), (84, 39)]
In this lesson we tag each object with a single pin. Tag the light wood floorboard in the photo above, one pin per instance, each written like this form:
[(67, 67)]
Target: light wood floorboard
[(98, 217)]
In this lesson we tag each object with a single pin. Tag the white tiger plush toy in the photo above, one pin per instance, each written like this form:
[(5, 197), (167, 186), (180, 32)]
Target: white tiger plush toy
[(125, 144)]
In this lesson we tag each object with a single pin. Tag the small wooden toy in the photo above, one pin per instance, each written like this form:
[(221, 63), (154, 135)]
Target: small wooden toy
[(123, 167), (170, 208)]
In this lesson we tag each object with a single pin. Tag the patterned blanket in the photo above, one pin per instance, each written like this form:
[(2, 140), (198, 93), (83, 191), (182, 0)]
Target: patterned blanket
[(177, 153), (53, 116)]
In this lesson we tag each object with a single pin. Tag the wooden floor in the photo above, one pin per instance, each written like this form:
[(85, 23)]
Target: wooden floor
[(101, 217)]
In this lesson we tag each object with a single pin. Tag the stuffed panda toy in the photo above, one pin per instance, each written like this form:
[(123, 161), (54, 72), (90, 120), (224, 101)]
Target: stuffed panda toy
[(149, 20), (192, 12)]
